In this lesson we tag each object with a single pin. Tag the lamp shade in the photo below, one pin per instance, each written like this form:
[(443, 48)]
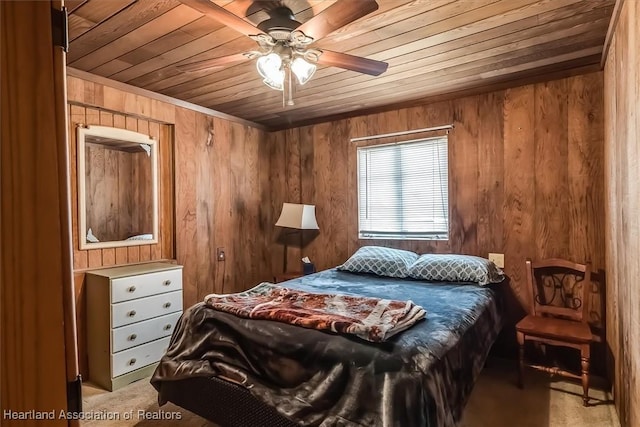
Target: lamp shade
[(270, 67), (303, 70), (301, 217)]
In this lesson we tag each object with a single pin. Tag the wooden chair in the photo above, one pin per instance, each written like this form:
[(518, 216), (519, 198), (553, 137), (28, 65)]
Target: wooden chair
[(559, 291)]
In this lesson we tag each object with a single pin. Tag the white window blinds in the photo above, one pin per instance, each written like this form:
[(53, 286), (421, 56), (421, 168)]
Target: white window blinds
[(403, 190)]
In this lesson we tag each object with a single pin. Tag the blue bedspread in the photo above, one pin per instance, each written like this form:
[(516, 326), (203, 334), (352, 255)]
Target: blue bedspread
[(420, 377)]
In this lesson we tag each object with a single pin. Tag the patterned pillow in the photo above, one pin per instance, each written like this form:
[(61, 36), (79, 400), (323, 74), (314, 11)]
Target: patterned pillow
[(381, 261), (456, 268)]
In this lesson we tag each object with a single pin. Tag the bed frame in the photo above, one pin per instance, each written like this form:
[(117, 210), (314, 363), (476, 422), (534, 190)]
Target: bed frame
[(222, 402)]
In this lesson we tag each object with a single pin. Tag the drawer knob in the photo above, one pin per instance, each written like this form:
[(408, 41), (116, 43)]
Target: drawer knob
[(131, 289), (131, 313), (132, 337), (132, 362), (166, 282), (167, 305), (167, 326)]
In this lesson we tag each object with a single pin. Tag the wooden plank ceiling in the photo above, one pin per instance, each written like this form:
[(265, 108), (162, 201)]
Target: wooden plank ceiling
[(433, 47)]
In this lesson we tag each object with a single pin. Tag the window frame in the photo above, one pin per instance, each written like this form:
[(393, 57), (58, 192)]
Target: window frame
[(427, 236)]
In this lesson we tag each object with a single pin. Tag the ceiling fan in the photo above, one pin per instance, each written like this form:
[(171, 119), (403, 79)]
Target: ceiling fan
[(284, 43)]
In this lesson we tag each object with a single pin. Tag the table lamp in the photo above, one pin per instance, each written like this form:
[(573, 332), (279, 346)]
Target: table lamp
[(295, 217)]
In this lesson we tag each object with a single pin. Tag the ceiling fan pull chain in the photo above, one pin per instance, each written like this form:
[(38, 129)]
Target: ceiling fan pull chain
[(287, 92), (290, 100)]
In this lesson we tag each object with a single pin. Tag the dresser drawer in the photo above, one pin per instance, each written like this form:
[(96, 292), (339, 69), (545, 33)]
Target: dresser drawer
[(143, 285), (135, 334), (125, 313), (138, 357)]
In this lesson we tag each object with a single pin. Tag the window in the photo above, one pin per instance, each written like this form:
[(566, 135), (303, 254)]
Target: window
[(403, 190)]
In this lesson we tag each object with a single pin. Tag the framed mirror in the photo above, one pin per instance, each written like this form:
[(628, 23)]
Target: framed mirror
[(117, 188)]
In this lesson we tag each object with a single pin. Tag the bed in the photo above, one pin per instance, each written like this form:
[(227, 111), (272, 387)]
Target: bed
[(245, 372)]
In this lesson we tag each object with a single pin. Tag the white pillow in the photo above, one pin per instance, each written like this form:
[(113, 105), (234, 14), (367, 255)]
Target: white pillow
[(141, 237)]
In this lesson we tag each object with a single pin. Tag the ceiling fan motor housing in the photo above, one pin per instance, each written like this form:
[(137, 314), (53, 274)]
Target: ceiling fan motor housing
[(280, 24)]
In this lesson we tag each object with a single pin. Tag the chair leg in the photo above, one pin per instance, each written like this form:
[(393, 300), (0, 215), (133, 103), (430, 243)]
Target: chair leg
[(520, 337), (585, 356)]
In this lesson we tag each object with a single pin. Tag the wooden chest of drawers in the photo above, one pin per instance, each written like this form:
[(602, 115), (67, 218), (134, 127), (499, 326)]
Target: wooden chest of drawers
[(131, 313)]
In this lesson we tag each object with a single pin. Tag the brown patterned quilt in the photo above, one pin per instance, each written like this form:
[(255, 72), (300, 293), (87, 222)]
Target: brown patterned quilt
[(372, 319)]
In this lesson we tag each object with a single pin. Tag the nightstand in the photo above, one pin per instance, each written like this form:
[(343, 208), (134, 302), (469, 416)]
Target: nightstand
[(283, 277)]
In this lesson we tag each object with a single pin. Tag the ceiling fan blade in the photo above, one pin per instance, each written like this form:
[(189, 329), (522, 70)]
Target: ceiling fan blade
[(208, 64), (337, 15), (223, 16), (239, 7), (353, 63)]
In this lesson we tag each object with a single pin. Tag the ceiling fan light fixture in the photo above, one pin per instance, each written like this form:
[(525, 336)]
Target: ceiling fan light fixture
[(270, 67), (303, 70)]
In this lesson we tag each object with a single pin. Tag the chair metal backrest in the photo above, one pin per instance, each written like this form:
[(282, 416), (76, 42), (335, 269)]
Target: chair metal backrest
[(559, 288)]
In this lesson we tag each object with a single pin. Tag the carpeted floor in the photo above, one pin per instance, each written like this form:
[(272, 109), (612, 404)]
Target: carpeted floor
[(494, 402)]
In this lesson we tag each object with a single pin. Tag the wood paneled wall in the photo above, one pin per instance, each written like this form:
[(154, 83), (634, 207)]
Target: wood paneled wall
[(214, 178), (526, 178), (622, 156), (222, 176)]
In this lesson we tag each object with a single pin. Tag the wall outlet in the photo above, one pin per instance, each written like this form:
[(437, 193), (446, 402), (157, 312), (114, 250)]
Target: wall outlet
[(220, 254), (498, 259)]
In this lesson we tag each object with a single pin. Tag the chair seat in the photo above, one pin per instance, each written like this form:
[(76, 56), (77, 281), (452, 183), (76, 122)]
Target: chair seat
[(565, 330)]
